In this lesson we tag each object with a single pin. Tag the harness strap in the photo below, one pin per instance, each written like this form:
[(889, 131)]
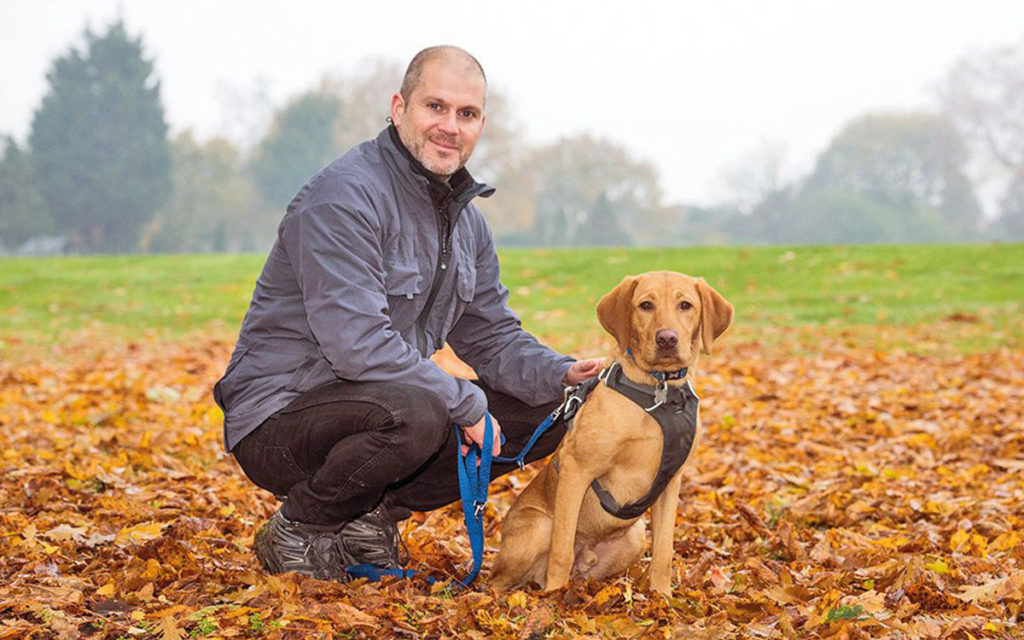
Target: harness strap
[(675, 410)]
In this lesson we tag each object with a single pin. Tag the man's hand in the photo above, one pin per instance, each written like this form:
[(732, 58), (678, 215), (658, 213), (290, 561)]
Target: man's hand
[(582, 370), (475, 434)]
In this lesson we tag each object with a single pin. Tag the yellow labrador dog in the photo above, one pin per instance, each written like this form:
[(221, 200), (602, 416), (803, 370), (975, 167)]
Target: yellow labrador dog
[(581, 515)]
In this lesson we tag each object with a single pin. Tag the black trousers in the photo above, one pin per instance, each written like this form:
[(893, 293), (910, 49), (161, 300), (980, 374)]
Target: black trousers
[(340, 450)]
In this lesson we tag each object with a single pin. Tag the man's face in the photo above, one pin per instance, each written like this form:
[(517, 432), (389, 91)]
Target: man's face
[(443, 118)]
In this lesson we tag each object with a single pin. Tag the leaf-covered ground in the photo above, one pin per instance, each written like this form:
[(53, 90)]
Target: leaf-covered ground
[(839, 492)]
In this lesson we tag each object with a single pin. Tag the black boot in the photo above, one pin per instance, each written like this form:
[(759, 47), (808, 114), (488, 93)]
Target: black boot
[(313, 550), (373, 538)]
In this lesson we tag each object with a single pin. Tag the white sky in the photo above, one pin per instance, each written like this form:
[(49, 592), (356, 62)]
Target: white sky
[(689, 86)]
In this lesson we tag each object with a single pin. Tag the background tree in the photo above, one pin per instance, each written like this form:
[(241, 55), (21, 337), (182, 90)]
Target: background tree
[(983, 94), (754, 175), (23, 213), (99, 142), (215, 205), (299, 143), (1010, 224), (364, 95), (566, 181), (906, 162), (838, 216)]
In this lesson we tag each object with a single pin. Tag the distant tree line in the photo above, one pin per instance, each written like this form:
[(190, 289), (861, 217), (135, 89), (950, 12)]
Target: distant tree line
[(99, 172)]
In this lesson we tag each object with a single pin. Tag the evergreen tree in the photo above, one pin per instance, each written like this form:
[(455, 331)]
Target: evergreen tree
[(23, 213), (299, 143), (99, 143)]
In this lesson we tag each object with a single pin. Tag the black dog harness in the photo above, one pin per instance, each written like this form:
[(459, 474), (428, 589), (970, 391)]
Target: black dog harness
[(674, 409)]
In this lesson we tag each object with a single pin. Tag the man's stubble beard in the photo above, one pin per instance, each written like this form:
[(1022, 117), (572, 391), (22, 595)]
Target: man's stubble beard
[(416, 148)]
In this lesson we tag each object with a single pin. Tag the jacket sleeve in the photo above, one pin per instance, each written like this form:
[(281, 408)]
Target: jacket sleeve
[(490, 338), (336, 253)]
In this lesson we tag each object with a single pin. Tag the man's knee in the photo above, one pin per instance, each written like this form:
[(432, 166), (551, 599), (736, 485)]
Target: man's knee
[(420, 416)]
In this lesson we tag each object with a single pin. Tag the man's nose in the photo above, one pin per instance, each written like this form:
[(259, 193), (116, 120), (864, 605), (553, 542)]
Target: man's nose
[(449, 123)]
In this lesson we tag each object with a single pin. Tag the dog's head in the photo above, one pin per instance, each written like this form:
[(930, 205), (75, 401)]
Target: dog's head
[(664, 318)]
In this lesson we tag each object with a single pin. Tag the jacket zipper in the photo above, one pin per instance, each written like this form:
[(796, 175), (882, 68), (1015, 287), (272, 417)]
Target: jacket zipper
[(444, 233)]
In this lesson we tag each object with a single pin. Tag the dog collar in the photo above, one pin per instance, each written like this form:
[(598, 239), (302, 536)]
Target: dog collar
[(662, 376)]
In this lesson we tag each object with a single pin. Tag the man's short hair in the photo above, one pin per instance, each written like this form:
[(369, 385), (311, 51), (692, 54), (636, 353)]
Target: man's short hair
[(415, 70)]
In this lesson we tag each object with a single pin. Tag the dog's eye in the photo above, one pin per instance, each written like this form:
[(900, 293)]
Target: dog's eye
[(684, 305), (646, 305)]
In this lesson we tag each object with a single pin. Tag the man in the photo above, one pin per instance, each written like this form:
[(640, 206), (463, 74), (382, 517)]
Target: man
[(330, 399)]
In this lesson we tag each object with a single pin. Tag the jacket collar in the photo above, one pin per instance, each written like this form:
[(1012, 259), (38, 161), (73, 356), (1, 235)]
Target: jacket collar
[(460, 187)]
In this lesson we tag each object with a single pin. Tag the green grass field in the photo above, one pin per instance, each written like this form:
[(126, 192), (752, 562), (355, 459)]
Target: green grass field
[(554, 291)]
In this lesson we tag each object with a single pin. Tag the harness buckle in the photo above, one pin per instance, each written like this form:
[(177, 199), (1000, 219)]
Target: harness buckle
[(572, 405)]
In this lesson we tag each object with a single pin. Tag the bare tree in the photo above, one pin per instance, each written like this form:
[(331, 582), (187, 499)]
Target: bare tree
[(984, 95), (753, 176)]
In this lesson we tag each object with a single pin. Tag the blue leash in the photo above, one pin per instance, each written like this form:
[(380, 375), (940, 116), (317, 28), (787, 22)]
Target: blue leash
[(520, 459), (474, 481)]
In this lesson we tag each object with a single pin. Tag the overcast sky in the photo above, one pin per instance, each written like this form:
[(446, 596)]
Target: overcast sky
[(690, 86)]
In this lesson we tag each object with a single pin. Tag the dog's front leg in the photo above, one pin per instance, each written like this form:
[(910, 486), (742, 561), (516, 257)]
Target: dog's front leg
[(573, 482), (663, 524)]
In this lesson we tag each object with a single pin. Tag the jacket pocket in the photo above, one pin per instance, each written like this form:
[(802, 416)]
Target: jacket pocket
[(402, 279), (465, 291), (465, 284)]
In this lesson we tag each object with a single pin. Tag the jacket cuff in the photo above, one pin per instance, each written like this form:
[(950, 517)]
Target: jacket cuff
[(472, 409), (561, 370)]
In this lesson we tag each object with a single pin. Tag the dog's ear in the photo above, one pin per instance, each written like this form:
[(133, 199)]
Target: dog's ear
[(715, 314), (615, 311)]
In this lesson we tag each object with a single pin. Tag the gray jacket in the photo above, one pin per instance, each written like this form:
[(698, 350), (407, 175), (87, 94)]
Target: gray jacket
[(344, 294)]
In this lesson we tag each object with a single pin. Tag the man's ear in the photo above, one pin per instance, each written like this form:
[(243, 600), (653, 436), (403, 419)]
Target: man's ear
[(397, 109), (615, 311), (715, 314)]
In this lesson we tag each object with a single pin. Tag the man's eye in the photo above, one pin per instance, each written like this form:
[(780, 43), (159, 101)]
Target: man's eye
[(646, 305), (434, 106), (466, 113)]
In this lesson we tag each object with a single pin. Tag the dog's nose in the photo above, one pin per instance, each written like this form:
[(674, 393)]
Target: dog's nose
[(666, 339)]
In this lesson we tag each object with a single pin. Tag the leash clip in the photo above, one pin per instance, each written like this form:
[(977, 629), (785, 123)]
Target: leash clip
[(478, 508)]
